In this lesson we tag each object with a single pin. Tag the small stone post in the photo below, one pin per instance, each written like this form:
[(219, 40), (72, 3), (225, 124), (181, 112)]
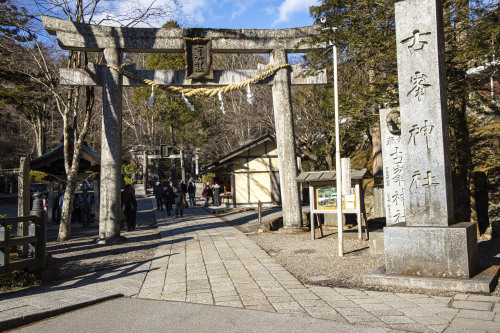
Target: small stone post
[(39, 228), (50, 202), (109, 224), (285, 140), (23, 201)]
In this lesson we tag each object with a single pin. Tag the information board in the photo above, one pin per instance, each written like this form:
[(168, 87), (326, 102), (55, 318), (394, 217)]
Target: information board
[(326, 198)]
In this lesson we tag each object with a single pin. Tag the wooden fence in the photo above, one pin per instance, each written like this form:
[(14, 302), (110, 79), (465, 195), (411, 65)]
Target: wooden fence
[(35, 241)]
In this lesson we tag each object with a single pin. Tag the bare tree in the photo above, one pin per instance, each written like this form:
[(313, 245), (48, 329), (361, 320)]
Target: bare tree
[(75, 104)]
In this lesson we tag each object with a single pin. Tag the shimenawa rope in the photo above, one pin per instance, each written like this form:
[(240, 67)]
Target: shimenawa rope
[(194, 91)]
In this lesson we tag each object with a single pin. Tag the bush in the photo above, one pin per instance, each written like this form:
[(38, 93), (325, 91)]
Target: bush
[(128, 181), (38, 177), (130, 169), (208, 178), (17, 279)]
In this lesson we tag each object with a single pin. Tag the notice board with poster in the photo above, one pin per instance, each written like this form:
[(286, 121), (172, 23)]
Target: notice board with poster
[(326, 199), (323, 194)]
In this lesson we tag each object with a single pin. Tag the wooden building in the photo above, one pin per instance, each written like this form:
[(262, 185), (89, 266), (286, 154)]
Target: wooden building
[(250, 173), (52, 162)]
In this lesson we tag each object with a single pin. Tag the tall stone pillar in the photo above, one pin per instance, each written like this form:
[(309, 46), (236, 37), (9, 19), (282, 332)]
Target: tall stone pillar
[(285, 140), (392, 156), (109, 224), (429, 243)]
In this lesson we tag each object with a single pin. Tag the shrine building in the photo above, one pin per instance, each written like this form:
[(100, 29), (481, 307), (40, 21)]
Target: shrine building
[(250, 173)]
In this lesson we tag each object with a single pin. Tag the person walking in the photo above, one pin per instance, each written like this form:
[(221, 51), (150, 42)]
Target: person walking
[(60, 206), (179, 201), (159, 195), (84, 203), (169, 197), (130, 208), (216, 192), (206, 194), (183, 188), (192, 192)]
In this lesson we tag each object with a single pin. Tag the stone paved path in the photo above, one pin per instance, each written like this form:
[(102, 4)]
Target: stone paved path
[(202, 259)]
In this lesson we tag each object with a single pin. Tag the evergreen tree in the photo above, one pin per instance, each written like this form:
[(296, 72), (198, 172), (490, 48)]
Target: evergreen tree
[(168, 108), (364, 37), (368, 72)]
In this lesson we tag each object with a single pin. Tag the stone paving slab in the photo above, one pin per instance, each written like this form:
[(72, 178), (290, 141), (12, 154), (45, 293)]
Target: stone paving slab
[(201, 249)]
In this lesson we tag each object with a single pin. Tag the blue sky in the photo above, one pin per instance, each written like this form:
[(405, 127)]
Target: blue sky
[(249, 14), (235, 14)]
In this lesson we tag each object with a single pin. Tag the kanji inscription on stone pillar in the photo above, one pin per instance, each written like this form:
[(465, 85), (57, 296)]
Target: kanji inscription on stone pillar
[(424, 125)]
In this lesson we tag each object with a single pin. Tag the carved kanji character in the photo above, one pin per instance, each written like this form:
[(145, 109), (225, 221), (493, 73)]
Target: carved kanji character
[(419, 85), (416, 42), (415, 179), (430, 180)]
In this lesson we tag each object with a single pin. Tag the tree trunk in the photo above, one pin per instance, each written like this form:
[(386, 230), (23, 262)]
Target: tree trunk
[(375, 135), (376, 154), (67, 210), (172, 135)]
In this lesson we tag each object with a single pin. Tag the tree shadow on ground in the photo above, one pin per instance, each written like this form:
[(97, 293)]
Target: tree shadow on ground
[(125, 270)]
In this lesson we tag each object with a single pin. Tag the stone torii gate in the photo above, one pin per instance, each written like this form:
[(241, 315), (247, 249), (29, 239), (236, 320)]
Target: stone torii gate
[(114, 41)]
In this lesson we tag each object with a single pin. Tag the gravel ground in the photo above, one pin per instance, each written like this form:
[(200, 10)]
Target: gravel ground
[(317, 261)]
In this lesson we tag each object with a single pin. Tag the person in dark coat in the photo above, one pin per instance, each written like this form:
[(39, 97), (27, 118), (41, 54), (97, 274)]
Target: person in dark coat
[(159, 195), (84, 203), (169, 197), (179, 201), (206, 194), (216, 199), (183, 188), (130, 208), (192, 192)]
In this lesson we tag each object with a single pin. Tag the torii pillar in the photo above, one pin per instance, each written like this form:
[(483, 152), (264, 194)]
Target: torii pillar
[(285, 141), (114, 41), (111, 145)]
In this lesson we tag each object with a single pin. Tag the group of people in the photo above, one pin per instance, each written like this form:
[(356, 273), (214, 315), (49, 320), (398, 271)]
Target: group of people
[(213, 193), (83, 208), (174, 197)]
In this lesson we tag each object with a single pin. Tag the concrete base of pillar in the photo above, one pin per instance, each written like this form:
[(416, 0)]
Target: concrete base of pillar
[(482, 283), (437, 252), (330, 220), (377, 241), (139, 191), (285, 230), (113, 240)]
